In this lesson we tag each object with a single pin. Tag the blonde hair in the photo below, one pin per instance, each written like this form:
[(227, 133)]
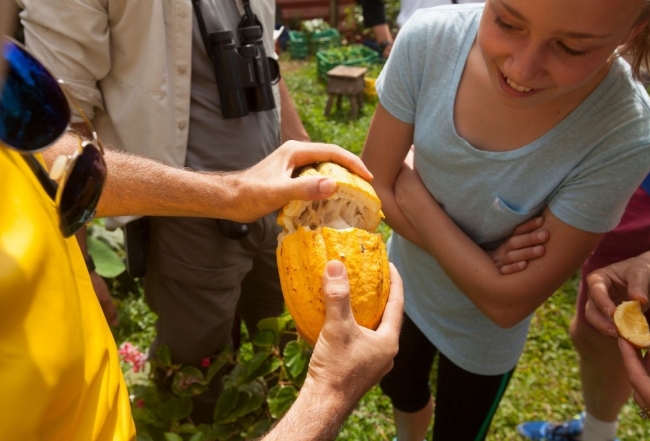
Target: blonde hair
[(637, 50)]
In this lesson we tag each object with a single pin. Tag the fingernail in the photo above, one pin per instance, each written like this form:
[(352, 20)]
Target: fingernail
[(334, 269), (538, 250), (613, 333), (327, 186)]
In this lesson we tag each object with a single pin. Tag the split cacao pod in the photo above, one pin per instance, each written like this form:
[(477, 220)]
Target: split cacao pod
[(340, 227)]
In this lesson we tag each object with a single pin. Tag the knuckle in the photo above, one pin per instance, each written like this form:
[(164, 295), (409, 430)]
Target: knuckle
[(336, 289)]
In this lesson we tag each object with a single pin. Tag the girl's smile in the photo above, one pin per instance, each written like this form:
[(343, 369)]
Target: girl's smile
[(552, 50), (511, 88)]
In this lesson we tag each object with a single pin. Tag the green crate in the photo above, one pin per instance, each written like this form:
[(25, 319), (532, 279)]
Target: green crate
[(323, 40), (298, 45), (352, 55)]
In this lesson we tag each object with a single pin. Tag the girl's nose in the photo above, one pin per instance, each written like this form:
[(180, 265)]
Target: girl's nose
[(525, 64)]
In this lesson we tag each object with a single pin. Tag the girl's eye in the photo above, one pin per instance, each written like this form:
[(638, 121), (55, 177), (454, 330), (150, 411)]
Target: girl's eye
[(503, 25), (569, 51)]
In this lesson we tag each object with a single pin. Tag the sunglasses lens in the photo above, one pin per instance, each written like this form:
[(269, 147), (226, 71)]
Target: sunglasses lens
[(33, 109), (82, 190)]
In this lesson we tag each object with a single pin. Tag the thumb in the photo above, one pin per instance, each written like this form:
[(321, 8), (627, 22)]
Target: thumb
[(311, 188), (336, 290)]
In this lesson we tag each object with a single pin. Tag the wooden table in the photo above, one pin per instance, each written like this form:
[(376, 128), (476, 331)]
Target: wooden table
[(345, 80)]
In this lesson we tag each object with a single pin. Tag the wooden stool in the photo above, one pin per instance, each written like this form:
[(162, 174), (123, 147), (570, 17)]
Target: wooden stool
[(345, 80)]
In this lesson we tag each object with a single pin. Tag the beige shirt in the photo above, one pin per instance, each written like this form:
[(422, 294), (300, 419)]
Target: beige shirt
[(128, 62)]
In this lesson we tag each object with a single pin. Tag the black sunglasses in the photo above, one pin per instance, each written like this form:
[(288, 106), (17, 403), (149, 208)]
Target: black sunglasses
[(34, 113)]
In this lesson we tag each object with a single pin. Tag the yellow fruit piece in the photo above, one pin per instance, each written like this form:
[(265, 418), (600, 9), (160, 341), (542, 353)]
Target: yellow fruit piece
[(354, 204), (632, 324), (340, 227)]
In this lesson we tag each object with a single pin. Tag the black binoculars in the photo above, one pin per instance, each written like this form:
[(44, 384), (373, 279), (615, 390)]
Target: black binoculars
[(244, 74)]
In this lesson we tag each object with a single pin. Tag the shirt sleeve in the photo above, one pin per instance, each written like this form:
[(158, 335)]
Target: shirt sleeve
[(72, 39), (593, 197), (399, 81), (373, 12)]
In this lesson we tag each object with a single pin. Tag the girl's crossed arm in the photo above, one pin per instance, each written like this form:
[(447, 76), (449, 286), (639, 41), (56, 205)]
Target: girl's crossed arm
[(412, 212)]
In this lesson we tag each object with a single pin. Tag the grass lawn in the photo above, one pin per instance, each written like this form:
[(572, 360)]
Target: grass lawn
[(546, 383)]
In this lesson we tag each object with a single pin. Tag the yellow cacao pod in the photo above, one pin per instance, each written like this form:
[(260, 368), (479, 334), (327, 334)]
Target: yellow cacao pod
[(340, 227)]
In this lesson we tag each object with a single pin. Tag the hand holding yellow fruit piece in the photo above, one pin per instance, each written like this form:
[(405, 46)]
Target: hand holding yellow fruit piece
[(338, 228), (632, 324)]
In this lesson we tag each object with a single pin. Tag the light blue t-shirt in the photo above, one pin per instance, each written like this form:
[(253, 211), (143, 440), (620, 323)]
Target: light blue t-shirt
[(585, 169)]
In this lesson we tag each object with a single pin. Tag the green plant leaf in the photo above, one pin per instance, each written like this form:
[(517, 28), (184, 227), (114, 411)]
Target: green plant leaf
[(252, 403), (231, 417), (258, 429), (143, 415), (223, 431), (189, 382), (208, 431), (175, 409), (219, 362), (266, 338), (246, 403), (187, 428), (114, 238), (107, 263), (280, 399), (198, 436), (226, 403), (164, 356), (169, 436), (295, 359), (249, 371), (276, 324), (269, 365)]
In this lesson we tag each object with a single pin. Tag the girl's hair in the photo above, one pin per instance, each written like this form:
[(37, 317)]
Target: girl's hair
[(638, 49)]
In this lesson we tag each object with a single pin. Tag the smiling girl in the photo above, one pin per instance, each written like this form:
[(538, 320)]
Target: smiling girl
[(515, 108)]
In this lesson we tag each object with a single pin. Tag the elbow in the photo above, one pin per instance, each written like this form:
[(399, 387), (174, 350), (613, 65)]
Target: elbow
[(505, 317), (507, 323)]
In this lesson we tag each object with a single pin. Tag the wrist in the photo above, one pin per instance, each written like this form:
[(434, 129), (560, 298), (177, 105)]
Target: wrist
[(384, 44), (233, 191), (339, 400)]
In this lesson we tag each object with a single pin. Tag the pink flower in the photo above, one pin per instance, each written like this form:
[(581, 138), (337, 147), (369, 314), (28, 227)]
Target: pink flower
[(205, 362), (131, 354)]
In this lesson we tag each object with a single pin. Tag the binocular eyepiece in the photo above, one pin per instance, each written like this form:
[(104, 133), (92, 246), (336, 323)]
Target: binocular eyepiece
[(244, 74)]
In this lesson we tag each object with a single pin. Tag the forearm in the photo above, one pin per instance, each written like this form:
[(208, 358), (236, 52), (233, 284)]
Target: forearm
[(505, 299), (290, 124), (140, 186), (382, 33), (387, 145), (395, 218), (384, 38), (317, 414), (149, 188)]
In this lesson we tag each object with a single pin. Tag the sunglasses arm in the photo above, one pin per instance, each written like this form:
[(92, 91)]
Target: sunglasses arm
[(48, 184)]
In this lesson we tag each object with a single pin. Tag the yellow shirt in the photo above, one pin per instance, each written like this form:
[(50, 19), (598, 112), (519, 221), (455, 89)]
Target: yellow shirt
[(60, 377)]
